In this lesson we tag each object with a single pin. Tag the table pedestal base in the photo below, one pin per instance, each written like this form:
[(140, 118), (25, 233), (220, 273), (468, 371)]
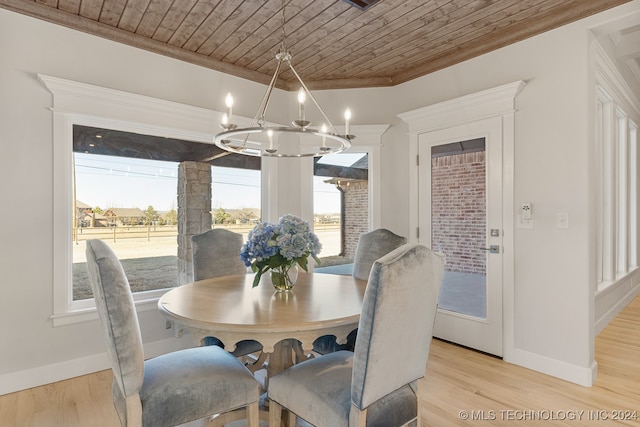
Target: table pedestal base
[(286, 353)]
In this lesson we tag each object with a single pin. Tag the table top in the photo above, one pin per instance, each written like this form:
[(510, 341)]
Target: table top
[(228, 307)]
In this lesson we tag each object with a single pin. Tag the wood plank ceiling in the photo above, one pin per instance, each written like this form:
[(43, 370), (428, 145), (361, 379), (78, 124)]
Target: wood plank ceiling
[(334, 45)]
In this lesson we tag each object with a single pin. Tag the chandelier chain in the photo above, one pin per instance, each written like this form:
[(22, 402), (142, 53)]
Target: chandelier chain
[(284, 34)]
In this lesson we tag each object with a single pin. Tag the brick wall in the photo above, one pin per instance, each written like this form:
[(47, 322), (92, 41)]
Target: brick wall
[(458, 204), (356, 206)]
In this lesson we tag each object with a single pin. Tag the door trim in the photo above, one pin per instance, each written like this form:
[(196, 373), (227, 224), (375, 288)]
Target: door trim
[(496, 102)]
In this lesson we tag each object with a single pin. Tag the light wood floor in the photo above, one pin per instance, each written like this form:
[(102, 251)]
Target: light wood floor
[(459, 383)]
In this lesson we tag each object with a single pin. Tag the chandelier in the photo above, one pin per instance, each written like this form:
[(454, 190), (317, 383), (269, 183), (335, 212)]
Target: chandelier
[(298, 140)]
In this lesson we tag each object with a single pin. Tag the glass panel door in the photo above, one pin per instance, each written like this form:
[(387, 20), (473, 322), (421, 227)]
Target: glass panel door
[(458, 224), (460, 215)]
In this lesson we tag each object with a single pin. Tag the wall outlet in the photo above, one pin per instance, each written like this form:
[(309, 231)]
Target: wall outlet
[(526, 210)]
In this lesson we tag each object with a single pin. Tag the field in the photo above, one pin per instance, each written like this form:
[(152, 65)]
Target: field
[(149, 256)]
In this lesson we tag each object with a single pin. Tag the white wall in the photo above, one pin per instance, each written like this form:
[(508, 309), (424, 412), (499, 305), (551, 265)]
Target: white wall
[(34, 352), (553, 287), (553, 302)]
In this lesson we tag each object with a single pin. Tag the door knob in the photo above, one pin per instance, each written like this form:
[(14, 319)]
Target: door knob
[(493, 249)]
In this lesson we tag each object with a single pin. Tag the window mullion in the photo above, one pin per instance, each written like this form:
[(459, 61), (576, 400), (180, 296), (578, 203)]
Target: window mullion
[(608, 199), (633, 196)]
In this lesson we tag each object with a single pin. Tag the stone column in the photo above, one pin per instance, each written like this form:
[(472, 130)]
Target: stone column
[(194, 212)]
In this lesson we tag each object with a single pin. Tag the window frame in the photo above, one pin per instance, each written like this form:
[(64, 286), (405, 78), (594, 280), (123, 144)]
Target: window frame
[(95, 106), (77, 103), (617, 214), (369, 141)]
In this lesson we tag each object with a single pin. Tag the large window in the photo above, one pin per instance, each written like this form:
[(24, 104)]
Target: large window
[(341, 208), (174, 126), (124, 195), (131, 204), (617, 139)]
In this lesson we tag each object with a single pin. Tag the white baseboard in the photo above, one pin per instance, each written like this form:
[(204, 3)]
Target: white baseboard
[(608, 304), (611, 301), (41, 375), (576, 374)]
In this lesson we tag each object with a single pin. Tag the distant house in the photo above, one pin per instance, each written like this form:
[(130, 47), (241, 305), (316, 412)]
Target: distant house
[(82, 206), (82, 209), (84, 213), (245, 215), (94, 220), (124, 216)]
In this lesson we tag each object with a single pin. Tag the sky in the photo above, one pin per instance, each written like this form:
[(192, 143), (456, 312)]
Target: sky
[(121, 182)]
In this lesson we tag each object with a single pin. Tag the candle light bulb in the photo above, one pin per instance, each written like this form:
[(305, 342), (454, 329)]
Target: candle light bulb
[(323, 129), (270, 150), (229, 103), (347, 117), (301, 98)]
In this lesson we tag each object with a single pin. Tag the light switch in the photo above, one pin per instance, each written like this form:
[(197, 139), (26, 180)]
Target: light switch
[(562, 220), (526, 211)]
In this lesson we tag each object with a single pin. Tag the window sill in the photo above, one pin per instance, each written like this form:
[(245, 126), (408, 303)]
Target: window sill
[(605, 287), (90, 313)]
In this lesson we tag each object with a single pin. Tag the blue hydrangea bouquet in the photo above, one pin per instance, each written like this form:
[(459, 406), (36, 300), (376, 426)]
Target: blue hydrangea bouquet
[(280, 248)]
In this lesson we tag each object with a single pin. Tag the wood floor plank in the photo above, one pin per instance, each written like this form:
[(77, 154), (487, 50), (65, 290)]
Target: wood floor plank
[(460, 380)]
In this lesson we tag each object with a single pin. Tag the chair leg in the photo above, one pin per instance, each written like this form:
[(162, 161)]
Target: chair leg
[(253, 414), (357, 416), (134, 410), (275, 413), (292, 419)]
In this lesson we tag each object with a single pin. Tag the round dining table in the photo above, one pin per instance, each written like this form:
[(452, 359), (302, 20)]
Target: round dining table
[(285, 323)]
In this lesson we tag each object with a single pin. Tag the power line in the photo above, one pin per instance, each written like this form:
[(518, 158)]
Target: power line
[(126, 172)]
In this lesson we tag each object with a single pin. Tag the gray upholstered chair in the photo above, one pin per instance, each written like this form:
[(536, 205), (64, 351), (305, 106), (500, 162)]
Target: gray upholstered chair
[(376, 385), (167, 390), (371, 246), (216, 253)]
